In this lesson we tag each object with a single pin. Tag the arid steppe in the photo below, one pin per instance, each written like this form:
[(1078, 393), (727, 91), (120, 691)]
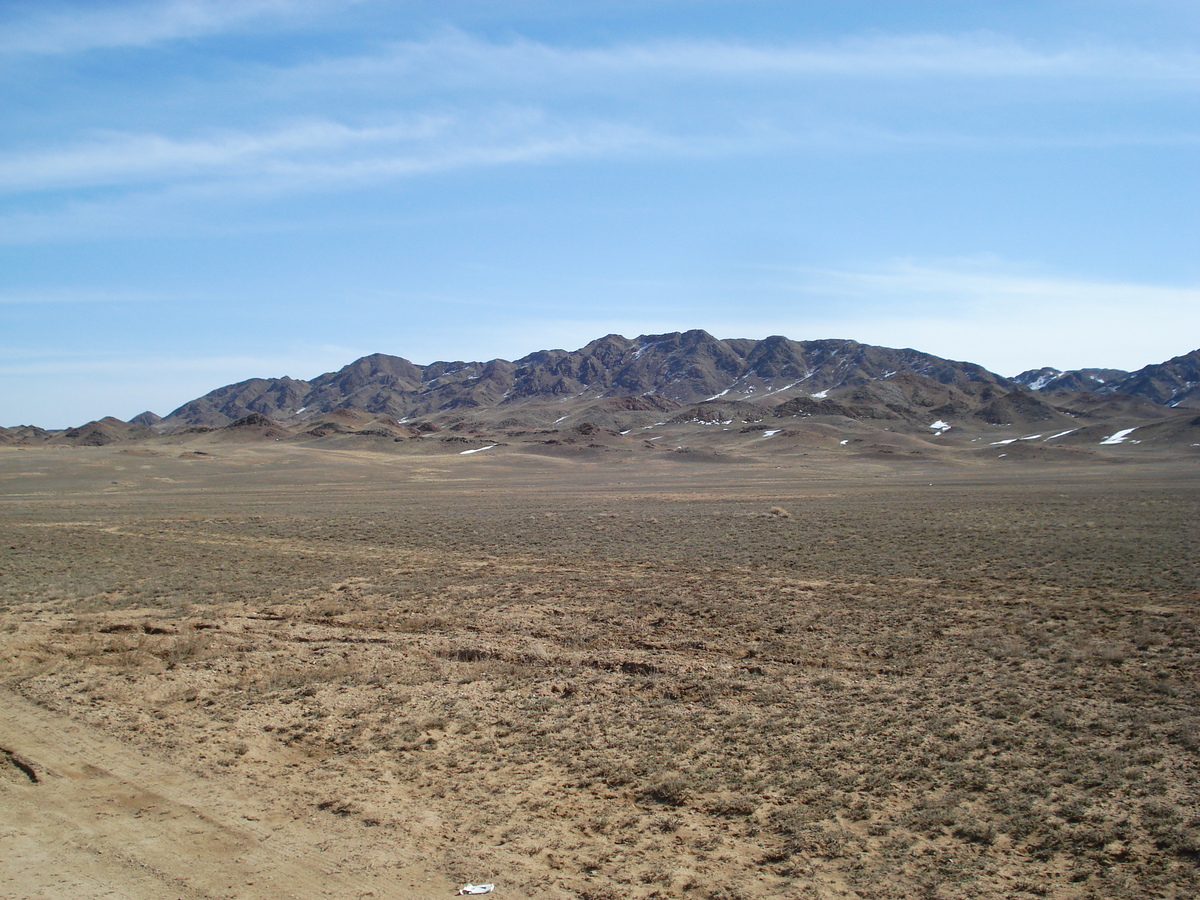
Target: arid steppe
[(273, 670)]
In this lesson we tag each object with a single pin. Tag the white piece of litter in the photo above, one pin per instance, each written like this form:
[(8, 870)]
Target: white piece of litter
[(476, 889), (478, 449)]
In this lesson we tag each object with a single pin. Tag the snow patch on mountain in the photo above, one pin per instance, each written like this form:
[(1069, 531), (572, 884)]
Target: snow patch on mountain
[(1120, 436)]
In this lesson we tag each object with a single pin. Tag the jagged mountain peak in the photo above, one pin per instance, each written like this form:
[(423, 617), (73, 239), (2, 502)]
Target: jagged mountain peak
[(1175, 382), (1048, 378), (681, 367)]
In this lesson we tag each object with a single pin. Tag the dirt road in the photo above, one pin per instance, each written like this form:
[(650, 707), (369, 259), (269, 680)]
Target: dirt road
[(84, 816)]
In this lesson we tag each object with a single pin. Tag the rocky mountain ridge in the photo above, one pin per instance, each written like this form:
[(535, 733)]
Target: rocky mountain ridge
[(1175, 382), (685, 390), (687, 367)]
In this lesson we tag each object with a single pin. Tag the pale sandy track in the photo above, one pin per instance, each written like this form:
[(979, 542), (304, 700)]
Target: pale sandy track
[(103, 820)]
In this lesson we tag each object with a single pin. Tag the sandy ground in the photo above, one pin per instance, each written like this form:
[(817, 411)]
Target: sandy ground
[(87, 816), (278, 672)]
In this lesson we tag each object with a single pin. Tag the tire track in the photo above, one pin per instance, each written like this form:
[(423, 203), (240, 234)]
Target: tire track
[(91, 817)]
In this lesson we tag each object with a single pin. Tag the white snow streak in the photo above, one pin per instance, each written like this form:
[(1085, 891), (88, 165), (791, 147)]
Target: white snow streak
[(1120, 436)]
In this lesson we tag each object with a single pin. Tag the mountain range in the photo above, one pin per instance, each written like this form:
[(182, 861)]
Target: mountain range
[(683, 368), (616, 382)]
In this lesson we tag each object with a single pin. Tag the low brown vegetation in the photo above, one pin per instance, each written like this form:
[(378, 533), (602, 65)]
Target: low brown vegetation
[(598, 682)]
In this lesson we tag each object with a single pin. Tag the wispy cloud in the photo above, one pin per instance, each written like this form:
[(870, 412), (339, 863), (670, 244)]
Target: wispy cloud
[(69, 295), (133, 158), (450, 102), (145, 177), (57, 28), (301, 363), (54, 28), (987, 281), (459, 58), (142, 176)]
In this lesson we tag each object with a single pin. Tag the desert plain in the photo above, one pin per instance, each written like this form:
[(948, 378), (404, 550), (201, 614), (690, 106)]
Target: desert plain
[(268, 670)]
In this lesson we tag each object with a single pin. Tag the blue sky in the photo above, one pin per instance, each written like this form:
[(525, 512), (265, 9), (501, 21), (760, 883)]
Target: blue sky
[(195, 192)]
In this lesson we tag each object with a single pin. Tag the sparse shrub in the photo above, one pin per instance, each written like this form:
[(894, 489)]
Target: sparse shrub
[(976, 831), (803, 836), (931, 820), (666, 824), (1178, 840), (1060, 717), (599, 892), (1188, 733), (735, 805), (829, 683), (1073, 810), (339, 807), (671, 789), (1109, 653), (186, 647), (655, 876), (792, 819)]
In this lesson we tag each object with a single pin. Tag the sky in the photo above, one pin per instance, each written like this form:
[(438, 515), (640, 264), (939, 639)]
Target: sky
[(197, 192)]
